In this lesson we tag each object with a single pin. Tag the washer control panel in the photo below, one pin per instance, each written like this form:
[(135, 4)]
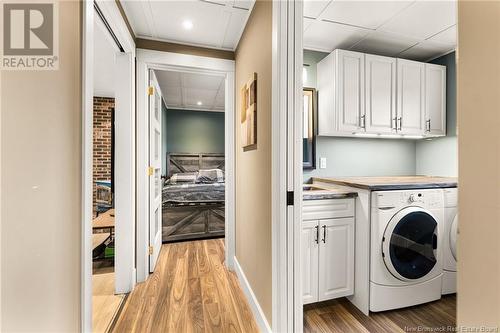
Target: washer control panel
[(388, 199)]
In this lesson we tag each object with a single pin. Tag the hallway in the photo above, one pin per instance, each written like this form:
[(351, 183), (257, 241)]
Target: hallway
[(190, 291)]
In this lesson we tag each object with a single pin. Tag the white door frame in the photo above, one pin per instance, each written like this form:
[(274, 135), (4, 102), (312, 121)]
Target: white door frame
[(125, 156), (149, 59), (287, 155)]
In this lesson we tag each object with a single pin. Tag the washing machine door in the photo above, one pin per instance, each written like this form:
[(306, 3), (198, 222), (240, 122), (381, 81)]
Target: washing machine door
[(453, 237), (409, 244)]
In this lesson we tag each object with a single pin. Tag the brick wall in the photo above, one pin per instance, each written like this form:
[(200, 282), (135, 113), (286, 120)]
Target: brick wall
[(102, 140)]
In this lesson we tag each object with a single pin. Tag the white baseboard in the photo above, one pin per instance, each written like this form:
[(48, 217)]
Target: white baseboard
[(258, 314)]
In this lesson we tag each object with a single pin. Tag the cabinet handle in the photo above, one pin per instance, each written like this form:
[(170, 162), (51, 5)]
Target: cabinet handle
[(428, 125), (362, 121), (324, 233), (394, 124), (316, 239), (399, 124)]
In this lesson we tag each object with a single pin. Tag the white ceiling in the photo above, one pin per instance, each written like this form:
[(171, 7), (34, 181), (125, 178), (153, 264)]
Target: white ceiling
[(104, 60), (185, 90), (216, 23), (418, 30)]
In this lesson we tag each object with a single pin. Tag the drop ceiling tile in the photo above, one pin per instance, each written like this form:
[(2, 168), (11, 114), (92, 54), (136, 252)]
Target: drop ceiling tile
[(307, 22), (207, 97), (172, 95), (209, 22), (327, 36), (244, 4), (135, 15), (384, 44), (449, 36), (234, 28), (197, 81), (426, 51), (312, 8), (367, 14), (167, 78), (423, 19)]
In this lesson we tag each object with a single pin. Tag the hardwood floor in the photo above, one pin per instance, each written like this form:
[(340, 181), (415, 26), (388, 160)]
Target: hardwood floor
[(340, 316), (105, 304), (190, 291)]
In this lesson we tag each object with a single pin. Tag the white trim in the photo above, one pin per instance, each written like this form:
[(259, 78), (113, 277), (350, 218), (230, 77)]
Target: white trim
[(258, 314), (87, 160), (124, 172), (280, 295), (287, 155), (158, 60), (114, 18)]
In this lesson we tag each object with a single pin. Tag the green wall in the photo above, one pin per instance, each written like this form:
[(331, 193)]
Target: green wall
[(194, 131)]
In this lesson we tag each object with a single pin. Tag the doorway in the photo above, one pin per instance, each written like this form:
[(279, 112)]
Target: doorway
[(108, 198), (197, 190)]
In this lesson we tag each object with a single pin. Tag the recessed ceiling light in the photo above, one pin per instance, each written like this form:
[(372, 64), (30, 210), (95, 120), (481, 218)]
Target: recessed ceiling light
[(187, 24), (199, 103)]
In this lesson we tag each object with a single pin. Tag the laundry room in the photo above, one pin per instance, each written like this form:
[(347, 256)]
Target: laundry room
[(380, 165)]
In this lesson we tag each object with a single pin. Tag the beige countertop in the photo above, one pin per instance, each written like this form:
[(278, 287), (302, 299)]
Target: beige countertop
[(390, 183), (317, 192)]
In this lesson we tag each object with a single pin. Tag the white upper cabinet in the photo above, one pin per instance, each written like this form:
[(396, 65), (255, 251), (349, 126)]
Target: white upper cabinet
[(411, 97), (380, 94), (350, 91), (326, 88), (435, 100), (341, 105)]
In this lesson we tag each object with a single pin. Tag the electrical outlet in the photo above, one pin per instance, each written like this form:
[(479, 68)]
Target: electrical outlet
[(322, 163)]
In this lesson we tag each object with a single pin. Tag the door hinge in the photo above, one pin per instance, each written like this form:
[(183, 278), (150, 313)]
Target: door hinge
[(150, 91), (150, 171), (150, 250), (289, 198)]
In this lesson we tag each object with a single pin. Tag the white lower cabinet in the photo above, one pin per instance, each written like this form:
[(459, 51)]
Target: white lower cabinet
[(327, 258)]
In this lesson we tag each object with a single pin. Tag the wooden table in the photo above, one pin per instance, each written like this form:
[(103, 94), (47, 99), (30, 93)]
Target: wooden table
[(105, 220)]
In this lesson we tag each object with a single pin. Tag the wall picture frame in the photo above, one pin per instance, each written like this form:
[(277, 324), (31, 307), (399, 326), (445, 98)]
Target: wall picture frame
[(248, 118)]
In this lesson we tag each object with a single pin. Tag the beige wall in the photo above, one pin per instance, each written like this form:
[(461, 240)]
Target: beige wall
[(40, 192), (253, 168), (479, 163)]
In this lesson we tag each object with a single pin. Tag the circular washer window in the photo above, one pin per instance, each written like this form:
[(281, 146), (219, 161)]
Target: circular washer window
[(412, 241)]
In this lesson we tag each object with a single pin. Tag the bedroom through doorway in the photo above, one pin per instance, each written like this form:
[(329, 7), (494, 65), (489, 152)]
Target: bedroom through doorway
[(192, 155)]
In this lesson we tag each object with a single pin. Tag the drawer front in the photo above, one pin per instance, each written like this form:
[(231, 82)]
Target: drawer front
[(327, 209)]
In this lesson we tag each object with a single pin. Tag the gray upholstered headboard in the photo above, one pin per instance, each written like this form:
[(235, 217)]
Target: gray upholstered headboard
[(190, 162)]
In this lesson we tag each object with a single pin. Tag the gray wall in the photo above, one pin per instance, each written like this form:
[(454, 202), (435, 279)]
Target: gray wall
[(354, 156), (194, 131), (383, 157), (439, 157)]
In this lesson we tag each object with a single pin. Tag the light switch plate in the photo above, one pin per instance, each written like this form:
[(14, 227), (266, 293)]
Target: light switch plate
[(322, 163)]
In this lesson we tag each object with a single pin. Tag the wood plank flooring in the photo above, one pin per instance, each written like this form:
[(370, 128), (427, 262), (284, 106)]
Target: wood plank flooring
[(190, 291), (105, 304), (340, 316)]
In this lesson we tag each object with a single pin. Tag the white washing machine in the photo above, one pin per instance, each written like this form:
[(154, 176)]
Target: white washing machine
[(450, 241), (405, 256)]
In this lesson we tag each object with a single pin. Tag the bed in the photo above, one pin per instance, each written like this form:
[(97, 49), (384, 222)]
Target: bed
[(192, 209)]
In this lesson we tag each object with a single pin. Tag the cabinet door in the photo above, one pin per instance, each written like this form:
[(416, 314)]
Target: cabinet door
[(309, 261), (350, 92), (325, 86), (410, 101), (380, 94), (336, 258), (435, 100)]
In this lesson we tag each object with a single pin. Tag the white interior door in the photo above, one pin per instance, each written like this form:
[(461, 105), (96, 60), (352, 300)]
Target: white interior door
[(155, 214)]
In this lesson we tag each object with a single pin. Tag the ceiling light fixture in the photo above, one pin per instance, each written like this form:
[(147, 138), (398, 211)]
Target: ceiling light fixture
[(187, 24), (199, 103)]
